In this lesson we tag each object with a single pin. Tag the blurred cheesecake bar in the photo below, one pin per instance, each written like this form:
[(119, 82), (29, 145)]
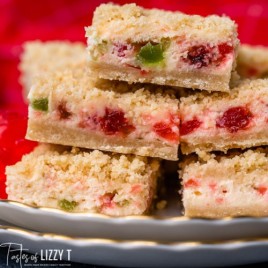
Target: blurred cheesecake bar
[(230, 185), (134, 44), (39, 58), (73, 109), (252, 61), (221, 121), (84, 181)]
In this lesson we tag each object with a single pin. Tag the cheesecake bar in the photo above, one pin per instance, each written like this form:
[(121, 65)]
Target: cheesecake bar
[(252, 61), (134, 44), (39, 58), (70, 108), (229, 185), (84, 181), (221, 121)]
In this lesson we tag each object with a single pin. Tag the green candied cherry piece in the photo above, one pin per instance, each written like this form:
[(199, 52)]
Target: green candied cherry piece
[(151, 54), (40, 104), (67, 205)]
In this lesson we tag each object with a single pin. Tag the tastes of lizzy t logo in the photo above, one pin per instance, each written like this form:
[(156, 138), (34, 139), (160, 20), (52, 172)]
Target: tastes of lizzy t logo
[(19, 255)]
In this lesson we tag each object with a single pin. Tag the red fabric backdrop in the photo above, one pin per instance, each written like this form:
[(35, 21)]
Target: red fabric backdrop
[(22, 20)]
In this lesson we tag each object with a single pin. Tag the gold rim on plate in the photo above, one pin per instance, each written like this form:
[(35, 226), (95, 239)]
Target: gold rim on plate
[(98, 215), (130, 242)]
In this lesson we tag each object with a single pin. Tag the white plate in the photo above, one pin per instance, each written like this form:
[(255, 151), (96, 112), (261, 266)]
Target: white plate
[(160, 228), (139, 253)]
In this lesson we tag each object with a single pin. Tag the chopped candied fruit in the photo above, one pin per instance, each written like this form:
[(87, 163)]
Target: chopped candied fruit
[(40, 104), (151, 54), (67, 205), (114, 121), (235, 119), (190, 126)]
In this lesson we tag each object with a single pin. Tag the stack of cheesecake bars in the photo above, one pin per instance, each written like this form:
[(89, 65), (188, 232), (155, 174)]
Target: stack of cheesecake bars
[(149, 84)]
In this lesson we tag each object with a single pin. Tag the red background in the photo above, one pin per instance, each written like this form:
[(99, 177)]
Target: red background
[(22, 20)]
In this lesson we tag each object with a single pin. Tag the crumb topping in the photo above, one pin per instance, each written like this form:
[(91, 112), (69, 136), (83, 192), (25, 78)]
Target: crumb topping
[(131, 22), (79, 163)]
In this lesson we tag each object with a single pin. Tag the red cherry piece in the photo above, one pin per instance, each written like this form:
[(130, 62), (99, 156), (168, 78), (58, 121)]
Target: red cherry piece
[(107, 200), (261, 190), (191, 183), (204, 55), (235, 119), (63, 111), (165, 131), (199, 56), (225, 49), (188, 127), (114, 121), (120, 49)]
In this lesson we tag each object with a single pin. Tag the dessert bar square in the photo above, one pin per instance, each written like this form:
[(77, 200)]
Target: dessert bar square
[(221, 121), (252, 61), (134, 44), (70, 108), (223, 186), (84, 181), (39, 58)]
